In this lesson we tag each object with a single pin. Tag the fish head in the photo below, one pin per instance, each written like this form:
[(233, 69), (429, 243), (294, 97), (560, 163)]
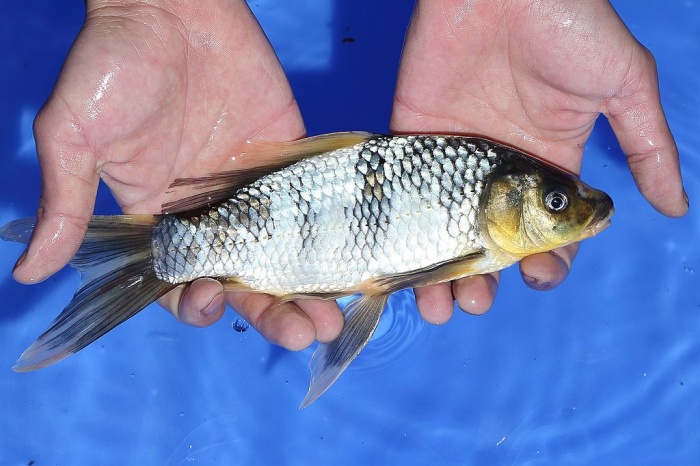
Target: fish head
[(531, 207)]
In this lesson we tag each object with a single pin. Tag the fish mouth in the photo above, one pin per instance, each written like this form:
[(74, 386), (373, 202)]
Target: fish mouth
[(601, 217)]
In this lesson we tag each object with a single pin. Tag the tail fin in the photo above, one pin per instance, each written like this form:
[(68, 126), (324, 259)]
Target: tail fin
[(117, 281)]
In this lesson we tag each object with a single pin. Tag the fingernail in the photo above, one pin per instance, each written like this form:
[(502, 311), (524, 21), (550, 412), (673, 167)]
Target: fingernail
[(536, 283), (213, 307)]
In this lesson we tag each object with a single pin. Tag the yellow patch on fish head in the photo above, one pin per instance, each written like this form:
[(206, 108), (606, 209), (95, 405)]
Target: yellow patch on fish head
[(539, 210)]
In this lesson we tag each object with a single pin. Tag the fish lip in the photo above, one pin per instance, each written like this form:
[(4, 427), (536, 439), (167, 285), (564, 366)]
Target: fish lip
[(598, 226), (601, 217)]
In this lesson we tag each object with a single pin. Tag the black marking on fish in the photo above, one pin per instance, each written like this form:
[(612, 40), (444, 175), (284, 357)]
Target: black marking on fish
[(373, 204)]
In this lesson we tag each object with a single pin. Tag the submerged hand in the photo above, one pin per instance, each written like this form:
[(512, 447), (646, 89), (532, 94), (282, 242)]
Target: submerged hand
[(536, 75), (150, 93)]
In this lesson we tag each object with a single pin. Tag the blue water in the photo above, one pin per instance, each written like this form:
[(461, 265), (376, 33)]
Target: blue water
[(603, 370)]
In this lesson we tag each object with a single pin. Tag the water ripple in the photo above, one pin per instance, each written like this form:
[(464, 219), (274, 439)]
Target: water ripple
[(397, 332)]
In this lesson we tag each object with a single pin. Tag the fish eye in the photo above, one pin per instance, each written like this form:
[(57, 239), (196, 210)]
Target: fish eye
[(556, 200)]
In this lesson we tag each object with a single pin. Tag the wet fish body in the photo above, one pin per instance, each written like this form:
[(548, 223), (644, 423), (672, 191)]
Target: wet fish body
[(334, 215), (326, 224)]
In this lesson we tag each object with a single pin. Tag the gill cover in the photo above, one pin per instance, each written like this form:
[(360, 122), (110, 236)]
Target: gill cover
[(532, 207)]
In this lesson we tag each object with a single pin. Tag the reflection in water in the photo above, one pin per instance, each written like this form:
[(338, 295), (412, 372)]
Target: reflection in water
[(301, 36)]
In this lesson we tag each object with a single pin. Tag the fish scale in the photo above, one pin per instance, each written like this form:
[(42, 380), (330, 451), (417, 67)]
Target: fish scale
[(329, 222)]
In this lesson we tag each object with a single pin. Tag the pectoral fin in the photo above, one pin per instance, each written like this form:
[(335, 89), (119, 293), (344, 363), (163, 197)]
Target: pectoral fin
[(452, 269), (331, 359)]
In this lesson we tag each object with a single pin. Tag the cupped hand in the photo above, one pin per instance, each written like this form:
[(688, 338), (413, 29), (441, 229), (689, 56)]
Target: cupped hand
[(535, 75), (147, 94)]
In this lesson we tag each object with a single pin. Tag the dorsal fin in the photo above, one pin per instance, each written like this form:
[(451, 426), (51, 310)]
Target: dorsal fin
[(257, 160)]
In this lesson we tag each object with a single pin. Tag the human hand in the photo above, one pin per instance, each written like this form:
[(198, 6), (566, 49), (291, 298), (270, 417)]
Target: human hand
[(536, 75), (150, 93)]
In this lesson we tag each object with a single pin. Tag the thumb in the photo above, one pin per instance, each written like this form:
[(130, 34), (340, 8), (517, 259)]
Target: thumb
[(69, 185)]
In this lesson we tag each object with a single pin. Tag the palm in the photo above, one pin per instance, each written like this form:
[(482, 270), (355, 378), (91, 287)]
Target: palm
[(542, 95), (157, 101)]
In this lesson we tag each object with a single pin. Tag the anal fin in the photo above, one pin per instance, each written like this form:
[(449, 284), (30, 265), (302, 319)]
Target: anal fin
[(331, 359)]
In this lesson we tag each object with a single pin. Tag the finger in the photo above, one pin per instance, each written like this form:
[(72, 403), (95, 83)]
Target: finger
[(636, 117), (284, 324), (548, 270), (171, 301), (435, 303), (69, 186), (326, 317), (200, 304), (475, 294)]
